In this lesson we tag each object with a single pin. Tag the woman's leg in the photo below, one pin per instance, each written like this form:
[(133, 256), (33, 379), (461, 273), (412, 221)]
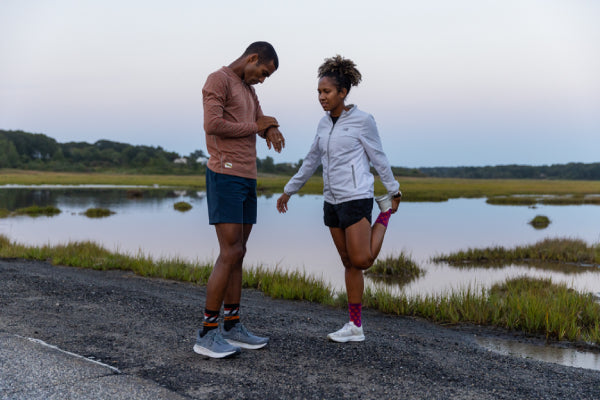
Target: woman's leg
[(353, 276), (364, 243)]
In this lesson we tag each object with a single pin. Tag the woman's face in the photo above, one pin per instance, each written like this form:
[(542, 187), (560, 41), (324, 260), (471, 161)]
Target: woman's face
[(330, 98)]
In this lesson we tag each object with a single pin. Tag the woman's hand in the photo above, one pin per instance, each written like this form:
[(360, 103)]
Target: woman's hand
[(282, 203), (395, 203)]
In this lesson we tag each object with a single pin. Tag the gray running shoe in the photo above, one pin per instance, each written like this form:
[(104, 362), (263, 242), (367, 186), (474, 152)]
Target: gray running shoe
[(384, 202), (239, 336), (213, 345)]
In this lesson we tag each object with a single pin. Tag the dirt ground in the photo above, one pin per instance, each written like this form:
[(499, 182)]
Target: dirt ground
[(146, 327)]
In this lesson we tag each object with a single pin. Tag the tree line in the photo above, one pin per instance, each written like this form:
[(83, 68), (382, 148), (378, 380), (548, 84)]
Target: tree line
[(36, 151), (570, 171)]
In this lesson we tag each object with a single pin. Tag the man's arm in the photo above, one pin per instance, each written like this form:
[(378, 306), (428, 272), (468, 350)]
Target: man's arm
[(214, 96)]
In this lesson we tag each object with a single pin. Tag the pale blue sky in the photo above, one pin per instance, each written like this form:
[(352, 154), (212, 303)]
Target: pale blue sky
[(464, 82)]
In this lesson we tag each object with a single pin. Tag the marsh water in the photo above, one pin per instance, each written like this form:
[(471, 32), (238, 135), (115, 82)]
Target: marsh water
[(146, 222)]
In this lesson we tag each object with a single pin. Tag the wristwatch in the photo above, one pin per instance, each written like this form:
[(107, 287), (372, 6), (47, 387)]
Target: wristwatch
[(397, 195)]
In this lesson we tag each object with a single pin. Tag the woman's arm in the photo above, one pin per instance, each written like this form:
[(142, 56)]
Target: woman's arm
[(372, 144)]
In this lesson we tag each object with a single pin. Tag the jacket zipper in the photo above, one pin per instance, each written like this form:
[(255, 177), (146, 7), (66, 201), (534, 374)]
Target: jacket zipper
[(329, 162), (353, 176)]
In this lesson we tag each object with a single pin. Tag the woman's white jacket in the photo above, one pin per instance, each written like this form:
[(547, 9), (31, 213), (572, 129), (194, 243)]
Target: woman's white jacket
[(346, 151)]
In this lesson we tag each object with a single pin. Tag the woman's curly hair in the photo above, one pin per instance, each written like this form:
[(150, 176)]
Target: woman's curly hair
[(342, 70)]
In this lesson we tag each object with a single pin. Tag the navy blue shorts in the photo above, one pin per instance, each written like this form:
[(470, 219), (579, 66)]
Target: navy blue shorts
[(348, 213), (231, 199)]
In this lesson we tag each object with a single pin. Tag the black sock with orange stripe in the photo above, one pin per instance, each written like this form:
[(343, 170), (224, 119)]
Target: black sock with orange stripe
[(231, 315), (211, 321)]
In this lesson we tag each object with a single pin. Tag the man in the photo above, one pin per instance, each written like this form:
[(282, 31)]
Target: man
[(232, 119)]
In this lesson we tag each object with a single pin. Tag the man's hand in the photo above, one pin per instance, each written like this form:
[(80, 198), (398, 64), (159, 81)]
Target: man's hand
[(275, 138), (265, 122)]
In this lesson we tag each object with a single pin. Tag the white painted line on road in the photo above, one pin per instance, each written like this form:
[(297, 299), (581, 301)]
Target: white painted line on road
[(38, 341)]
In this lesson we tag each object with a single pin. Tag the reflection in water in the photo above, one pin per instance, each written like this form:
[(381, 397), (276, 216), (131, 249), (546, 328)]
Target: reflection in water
[(298, 240), (556, 355)]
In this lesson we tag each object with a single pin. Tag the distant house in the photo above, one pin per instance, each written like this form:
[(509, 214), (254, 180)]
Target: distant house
[(181, 160), (202, 160)]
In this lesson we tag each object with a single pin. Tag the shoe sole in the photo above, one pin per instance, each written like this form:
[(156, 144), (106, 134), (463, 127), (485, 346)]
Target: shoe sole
[(347, 339), (206, 352), (246, 345)]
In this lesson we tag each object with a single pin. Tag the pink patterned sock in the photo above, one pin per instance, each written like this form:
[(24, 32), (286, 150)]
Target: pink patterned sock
[(384, 218), (355, 313)]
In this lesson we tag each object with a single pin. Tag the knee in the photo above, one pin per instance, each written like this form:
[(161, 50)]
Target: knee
[(362, 263), (234, 254), (346, 261)]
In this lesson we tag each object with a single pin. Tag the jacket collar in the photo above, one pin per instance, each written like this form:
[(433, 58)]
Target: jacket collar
[(344, 112)]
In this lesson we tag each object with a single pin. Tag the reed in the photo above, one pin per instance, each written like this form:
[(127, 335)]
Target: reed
[(540, 222), (182, 206), (512, 201), (563, 250), (98, 212), (32, 211), (400, 269)]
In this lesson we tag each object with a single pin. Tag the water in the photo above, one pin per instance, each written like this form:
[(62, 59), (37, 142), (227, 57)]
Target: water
[(547, 353), (298, 240)]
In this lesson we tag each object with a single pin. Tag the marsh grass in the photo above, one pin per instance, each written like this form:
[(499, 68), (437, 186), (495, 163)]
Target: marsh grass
[(529, 305), (535, 306), (413, 189), (540, 222), (32, 211), (98, 212), (400, 269), (559, 250), (182, 206), (555, 200), (512, 201)]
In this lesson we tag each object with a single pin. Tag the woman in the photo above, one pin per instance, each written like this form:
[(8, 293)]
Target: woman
[(346, 143)]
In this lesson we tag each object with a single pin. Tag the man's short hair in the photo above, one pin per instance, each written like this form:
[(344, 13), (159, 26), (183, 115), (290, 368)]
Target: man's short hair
[(265, 52)]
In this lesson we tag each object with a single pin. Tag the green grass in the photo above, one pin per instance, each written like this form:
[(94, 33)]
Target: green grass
[(413, 189), (540, 222), (548, 250), (555, 200), (512, 201), (98, 212), (32, 211), (535, 306), (182, 206), (530, 305), (400, 269)]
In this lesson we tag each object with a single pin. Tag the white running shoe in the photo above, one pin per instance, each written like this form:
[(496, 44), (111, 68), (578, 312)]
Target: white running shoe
[(384, 202), (349, 333)]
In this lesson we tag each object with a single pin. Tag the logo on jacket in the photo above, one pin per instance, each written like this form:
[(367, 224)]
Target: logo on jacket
[(228, 165)]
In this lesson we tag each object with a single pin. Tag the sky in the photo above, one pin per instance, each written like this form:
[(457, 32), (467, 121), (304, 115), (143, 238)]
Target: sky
[(450, 83)]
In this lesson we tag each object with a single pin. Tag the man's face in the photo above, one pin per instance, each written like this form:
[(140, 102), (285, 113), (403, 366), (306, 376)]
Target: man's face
[(257, 73)]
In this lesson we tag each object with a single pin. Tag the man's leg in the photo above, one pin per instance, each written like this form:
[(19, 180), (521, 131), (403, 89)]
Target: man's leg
[(234, 332), (233, 293), (209, 341), (226, 277)]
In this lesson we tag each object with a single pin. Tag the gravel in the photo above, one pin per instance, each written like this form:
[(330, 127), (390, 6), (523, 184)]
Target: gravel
[(146, 329)]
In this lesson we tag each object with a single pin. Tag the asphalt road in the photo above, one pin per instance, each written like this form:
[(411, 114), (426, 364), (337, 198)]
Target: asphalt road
[(70, 333)]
